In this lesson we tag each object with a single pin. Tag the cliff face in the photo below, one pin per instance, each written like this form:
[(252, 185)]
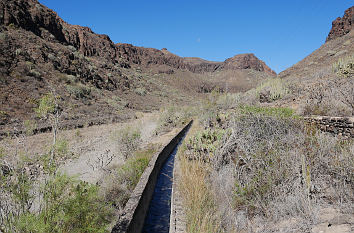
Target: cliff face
[(32, 16), (342, 26)]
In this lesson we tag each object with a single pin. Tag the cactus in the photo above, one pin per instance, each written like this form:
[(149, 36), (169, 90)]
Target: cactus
[(344, 67)]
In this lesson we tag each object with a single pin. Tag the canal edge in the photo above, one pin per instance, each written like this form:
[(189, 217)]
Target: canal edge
[(177, 216), (134, 213)]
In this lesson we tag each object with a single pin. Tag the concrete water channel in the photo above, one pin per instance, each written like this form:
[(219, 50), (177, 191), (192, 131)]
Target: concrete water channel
[(158, 217), (149, 208)]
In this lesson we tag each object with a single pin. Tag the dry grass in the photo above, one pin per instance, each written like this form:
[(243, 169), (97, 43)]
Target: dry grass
[(200, 206)]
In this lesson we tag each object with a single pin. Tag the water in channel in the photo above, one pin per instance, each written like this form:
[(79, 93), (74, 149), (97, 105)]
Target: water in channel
[(158, 216)]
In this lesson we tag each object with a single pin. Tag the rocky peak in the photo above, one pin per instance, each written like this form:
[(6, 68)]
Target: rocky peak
[(247, 61), (342, 26)]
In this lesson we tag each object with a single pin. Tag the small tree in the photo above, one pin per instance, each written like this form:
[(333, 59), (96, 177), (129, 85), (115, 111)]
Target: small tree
[(48, 109)]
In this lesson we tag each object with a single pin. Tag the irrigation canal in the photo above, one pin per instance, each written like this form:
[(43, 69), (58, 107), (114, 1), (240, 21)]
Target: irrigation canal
[(158, 216)]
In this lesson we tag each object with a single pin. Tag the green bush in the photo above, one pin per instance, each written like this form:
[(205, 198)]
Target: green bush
[(3, 115), (2, 152), (46, 105), (61, 147), (118, 186), (67, 207)]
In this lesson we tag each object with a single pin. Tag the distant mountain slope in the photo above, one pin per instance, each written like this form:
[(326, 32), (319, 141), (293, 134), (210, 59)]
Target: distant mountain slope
[(97, 80)]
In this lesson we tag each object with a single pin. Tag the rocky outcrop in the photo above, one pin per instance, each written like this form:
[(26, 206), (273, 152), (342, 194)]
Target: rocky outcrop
[(342, 26), (247, 61)]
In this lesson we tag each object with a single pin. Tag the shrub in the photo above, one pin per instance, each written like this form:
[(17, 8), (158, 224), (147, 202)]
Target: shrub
[(203, 144), (140, 91), (268, 165), (117, 103), (2, 152), (228, 100), (275, 157), (174, 117), (54, 203), (128, 139), (61, 148), (3, 115), (79, 91), (35, 73)]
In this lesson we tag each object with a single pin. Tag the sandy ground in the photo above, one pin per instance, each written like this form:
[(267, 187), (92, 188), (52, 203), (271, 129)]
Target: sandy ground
[(96, 147), (90, 147)]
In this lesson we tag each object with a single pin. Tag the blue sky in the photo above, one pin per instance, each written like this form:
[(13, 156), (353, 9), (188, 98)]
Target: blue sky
[(280, 32)]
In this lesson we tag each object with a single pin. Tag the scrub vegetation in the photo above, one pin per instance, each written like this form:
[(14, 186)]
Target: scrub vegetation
[(249, 167)]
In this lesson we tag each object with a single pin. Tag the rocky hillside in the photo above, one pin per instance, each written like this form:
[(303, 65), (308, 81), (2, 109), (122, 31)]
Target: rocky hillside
[(315, 79), (97, 80)]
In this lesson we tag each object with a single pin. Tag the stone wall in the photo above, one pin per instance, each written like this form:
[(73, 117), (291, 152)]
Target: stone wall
[(341, 126), (133, 216)]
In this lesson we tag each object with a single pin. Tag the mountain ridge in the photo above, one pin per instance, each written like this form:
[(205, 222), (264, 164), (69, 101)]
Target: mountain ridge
[(32, 16)]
